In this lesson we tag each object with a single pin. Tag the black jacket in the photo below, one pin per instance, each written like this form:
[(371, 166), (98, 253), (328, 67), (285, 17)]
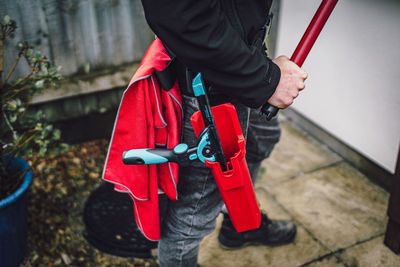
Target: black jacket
[(218, 39)]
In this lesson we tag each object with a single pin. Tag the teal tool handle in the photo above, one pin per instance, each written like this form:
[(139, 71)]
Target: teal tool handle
[(148, 156), (200, 93)]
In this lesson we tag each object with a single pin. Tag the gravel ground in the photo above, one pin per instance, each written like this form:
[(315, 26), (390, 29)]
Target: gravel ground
[(56, 200)]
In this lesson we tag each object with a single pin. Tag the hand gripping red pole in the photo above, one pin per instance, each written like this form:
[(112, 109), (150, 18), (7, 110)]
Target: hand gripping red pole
[(306, 43)]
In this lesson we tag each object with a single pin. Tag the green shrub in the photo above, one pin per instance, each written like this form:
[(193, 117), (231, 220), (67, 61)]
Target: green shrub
[(24, 135)]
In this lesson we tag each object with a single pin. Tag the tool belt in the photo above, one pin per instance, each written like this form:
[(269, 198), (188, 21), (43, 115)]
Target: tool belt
[(220, 146)]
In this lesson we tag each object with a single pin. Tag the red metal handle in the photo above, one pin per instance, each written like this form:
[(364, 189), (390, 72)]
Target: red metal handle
[(312, 32), (305, 44)]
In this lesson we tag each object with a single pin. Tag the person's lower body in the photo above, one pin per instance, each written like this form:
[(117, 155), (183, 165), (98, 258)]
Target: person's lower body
[(189, 219), (193, 216)]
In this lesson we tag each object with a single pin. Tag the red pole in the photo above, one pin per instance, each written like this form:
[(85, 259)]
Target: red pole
[(305, 44), (312, 32)]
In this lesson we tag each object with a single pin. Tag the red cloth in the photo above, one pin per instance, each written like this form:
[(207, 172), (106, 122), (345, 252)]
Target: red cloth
[(148, 117)]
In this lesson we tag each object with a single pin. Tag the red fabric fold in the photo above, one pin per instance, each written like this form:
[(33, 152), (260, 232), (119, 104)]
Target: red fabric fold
[(148, 117)]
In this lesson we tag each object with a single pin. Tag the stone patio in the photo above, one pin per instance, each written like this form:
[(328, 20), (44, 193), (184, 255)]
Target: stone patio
[(340, 213)]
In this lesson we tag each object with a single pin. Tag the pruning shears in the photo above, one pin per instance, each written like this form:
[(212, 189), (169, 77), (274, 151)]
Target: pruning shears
[(208, 146)]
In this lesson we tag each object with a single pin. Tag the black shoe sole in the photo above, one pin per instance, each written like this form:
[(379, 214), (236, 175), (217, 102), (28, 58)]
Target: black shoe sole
[(236, 244)]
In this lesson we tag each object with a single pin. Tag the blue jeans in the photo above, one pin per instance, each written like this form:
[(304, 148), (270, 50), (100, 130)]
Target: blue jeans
[(194, 215)]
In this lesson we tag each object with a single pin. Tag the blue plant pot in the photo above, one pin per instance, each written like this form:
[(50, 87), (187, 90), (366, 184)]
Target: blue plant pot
[(13, 219)]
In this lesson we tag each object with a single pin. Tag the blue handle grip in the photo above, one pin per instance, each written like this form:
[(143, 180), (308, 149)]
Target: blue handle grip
[(144, 156), (197, 86)]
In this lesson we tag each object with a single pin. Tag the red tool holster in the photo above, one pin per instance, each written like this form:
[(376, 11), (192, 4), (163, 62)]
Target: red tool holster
[(234, 184)]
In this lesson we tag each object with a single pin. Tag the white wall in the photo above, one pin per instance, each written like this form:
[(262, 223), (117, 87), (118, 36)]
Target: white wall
[(353, 90)]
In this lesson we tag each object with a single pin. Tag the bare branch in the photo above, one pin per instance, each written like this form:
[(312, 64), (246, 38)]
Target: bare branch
[(12, 69)]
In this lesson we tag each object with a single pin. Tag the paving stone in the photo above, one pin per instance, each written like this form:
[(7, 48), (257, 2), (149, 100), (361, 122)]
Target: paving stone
[(338, 205), (370, 254), (270, 206), (302, 250), (331, 261), (296, 153)]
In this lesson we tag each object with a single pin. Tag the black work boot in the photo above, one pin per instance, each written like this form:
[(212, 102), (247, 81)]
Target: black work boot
[(270, 233)]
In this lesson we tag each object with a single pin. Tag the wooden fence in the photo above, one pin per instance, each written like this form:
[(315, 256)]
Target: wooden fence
[(79, 35)]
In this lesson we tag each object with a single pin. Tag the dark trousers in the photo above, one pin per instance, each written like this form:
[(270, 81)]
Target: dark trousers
[(199, 203)]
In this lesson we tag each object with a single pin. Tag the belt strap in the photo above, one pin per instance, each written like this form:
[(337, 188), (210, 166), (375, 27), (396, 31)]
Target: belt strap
[(167, 77)]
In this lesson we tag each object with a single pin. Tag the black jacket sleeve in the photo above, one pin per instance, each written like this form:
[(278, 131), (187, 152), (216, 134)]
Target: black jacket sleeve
[(200, 35)]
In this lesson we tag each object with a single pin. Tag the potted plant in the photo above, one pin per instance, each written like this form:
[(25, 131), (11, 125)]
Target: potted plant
[(23, 134)]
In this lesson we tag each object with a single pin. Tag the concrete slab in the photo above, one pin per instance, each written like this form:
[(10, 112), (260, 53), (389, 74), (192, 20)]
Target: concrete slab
[(340, 206), (303, 250), (337, 210), (370, 254), (296, 153), (331, 261)]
